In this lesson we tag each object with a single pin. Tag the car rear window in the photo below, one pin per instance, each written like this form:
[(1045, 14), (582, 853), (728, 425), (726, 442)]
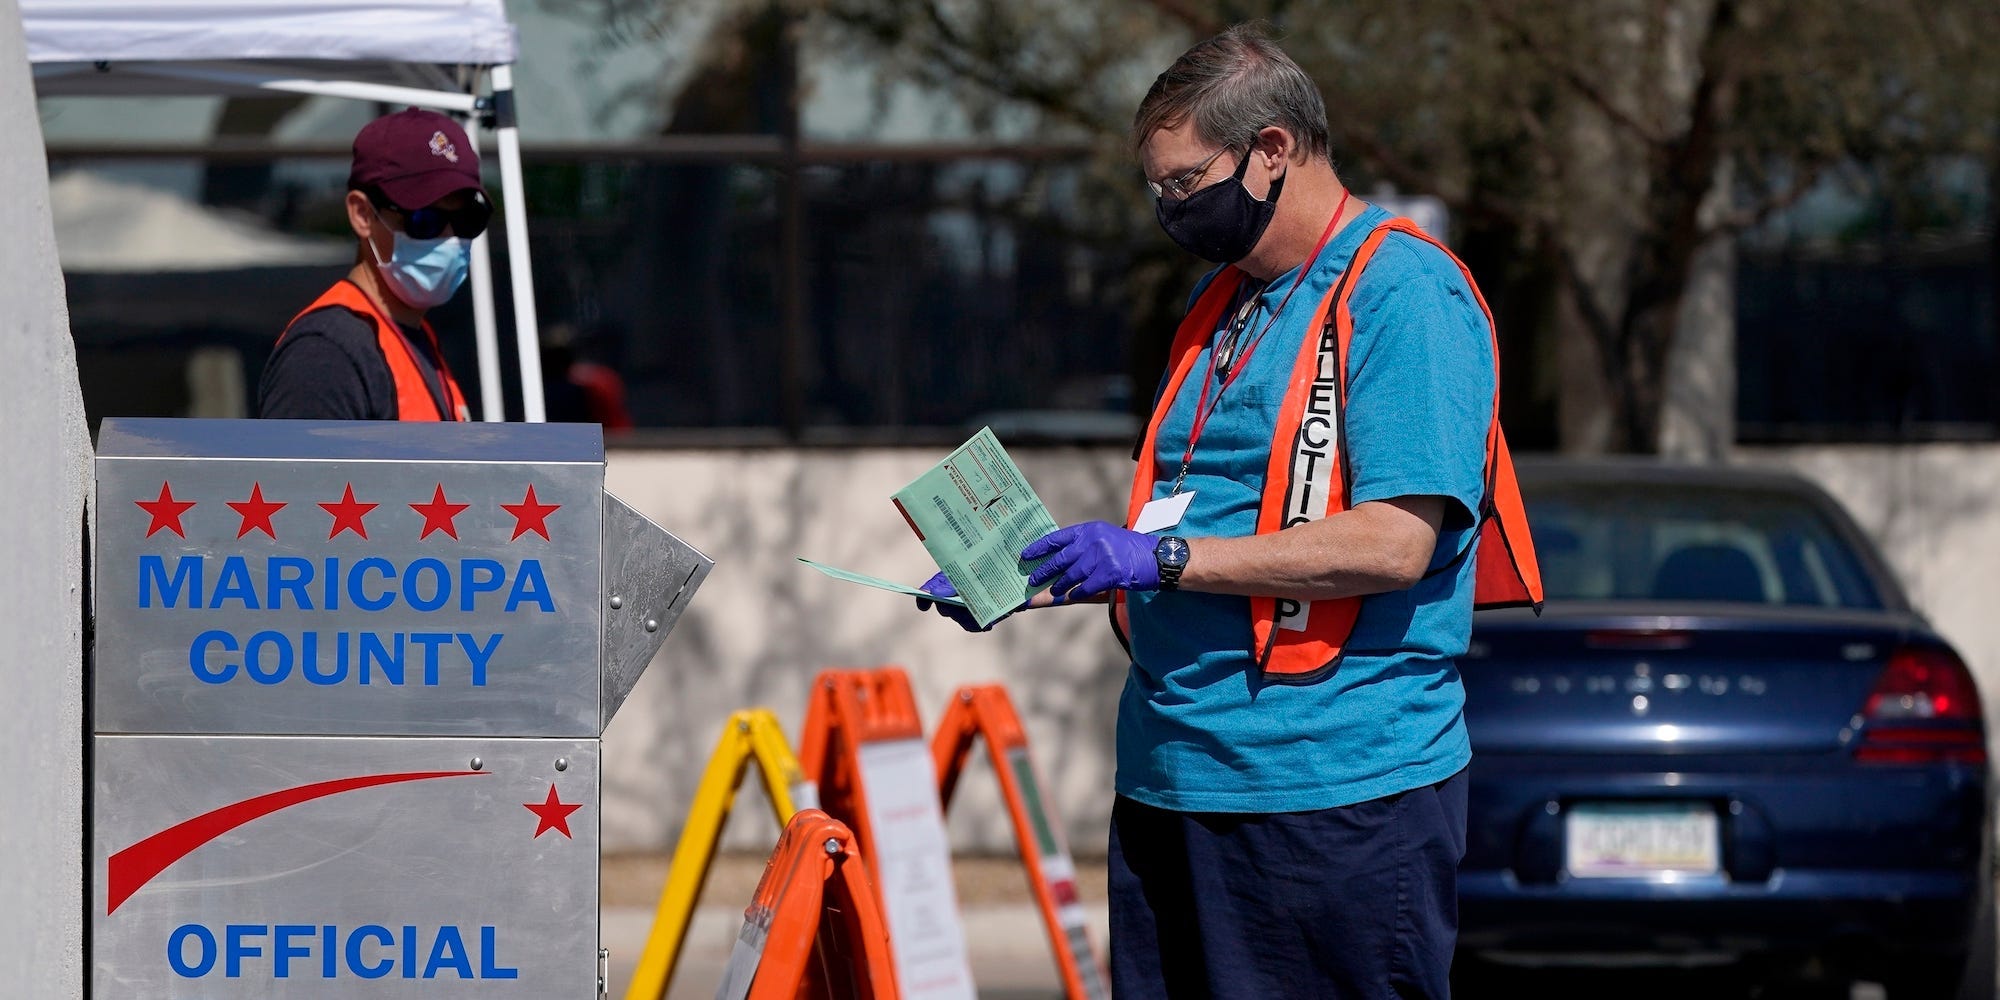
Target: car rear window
[(1664, 542)]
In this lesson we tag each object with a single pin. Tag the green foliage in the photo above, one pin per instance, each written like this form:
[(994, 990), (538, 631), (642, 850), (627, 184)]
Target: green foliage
[(1606, 141)]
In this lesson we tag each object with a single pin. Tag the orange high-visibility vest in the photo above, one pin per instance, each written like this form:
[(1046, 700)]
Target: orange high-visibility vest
[(1309, 474), (414, 400)]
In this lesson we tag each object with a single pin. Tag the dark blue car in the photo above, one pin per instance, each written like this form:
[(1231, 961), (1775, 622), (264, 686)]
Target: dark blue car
[(1728, 741)]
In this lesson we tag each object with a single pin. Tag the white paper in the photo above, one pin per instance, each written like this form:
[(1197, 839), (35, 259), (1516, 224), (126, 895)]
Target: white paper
[(1164, 513), (914, 859)]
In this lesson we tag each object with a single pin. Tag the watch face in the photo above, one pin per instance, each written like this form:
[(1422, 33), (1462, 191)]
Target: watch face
[(1173, 550)]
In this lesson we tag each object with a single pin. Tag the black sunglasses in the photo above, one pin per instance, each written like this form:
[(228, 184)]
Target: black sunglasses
[(428, 223)]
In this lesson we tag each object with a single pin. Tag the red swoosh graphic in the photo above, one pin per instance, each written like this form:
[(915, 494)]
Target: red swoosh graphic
[(130, 869)]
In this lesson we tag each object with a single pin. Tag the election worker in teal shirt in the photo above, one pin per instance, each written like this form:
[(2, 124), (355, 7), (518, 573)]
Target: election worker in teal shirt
[(1295, 576)]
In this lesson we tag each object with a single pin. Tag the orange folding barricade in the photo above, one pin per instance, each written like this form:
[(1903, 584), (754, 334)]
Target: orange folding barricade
[(863, 745), (853, 713), (815, 897), (985, 711), (749, 736), (848, 709)]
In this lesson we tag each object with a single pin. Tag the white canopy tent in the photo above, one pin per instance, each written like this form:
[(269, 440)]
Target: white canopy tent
[(454, 56)]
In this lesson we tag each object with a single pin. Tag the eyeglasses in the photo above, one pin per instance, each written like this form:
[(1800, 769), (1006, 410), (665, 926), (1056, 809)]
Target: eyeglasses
[(1178, 188), (466, 221)]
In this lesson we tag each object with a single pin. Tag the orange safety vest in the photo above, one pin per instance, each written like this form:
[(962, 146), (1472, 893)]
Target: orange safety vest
[(414, 400), (1309, 475)]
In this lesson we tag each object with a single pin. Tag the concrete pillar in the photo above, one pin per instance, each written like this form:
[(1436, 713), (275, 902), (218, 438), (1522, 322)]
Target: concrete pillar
[(42, 496)]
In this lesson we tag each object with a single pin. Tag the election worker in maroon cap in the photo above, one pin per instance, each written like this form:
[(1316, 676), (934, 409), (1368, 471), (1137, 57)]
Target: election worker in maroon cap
[(363, 350)]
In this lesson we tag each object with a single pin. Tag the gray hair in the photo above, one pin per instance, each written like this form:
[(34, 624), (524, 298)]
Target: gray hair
[(1233, 86)]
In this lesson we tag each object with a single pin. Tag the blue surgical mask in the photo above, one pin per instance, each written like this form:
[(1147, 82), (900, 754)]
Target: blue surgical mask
[(425, 274)]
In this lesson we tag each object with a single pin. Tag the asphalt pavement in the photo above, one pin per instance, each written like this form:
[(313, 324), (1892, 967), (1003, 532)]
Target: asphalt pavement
[(1009, 949), (1006, 941)]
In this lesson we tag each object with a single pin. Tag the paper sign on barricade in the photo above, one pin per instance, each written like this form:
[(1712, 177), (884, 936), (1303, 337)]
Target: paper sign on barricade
[(863, 743)]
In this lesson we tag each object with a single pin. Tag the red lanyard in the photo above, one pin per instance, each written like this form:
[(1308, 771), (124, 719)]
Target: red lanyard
[(1202, 409)]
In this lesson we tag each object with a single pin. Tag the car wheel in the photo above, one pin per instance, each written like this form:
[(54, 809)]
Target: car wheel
[(1980, 972), (1920, 984), (1969, 977), (1472, 978)]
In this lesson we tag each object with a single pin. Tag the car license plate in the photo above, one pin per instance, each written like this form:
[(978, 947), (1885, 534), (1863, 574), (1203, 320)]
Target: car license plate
[(1625, 839)]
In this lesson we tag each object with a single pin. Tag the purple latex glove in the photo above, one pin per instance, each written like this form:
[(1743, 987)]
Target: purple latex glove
[(1088, 559), (942, 587)]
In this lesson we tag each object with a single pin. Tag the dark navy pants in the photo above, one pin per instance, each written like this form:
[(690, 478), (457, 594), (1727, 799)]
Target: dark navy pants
[(1354, 903)]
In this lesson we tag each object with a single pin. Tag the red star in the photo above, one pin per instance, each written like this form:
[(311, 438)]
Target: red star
[(438, 514), (166, 511), (347, 514), (551, 814), (256, 512), (531, 515)]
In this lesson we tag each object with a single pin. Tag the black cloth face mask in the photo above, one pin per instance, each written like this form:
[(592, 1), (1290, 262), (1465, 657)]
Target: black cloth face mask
[(1220, 223)]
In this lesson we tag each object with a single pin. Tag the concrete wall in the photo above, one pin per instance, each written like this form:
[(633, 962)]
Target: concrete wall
[(763, 624), (42, 491), (1935, 511)]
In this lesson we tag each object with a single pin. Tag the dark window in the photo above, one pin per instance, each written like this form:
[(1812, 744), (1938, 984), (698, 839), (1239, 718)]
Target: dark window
[(1872, 317), (936, 293)]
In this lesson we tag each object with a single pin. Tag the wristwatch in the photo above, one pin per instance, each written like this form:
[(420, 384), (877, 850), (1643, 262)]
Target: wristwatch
[(1172, 555)]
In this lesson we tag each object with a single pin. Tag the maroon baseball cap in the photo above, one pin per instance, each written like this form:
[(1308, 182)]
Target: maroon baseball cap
[(414, 157)]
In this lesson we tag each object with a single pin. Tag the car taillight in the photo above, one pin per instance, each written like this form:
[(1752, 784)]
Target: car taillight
[(1924, 709)]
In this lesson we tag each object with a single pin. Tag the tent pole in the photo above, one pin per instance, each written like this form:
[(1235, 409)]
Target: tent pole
[(378, 92), (526, 333), (486, 333), (485, 326)]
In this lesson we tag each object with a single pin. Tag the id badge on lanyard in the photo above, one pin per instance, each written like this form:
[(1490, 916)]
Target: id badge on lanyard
[(1226, 362), (1166, 512)]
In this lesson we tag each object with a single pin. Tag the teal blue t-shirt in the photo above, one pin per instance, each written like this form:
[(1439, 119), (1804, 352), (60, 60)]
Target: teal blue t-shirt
[(1198, 729)]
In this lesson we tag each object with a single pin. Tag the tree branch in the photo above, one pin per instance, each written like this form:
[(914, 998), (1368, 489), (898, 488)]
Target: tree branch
[(1401, 173), (1732, 223), (949, 56), (1196, 21), (1570, 75), (1594, 315)]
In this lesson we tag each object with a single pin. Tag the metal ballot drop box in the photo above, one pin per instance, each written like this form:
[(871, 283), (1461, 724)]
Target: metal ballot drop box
[(348, 684)]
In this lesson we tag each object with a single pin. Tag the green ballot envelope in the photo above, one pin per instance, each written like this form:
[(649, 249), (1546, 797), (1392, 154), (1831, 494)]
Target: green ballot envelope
[(974, 513), (878, 583)]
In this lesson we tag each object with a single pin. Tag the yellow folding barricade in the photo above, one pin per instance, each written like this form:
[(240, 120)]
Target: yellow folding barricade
[(748, 735), (850, 708)]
